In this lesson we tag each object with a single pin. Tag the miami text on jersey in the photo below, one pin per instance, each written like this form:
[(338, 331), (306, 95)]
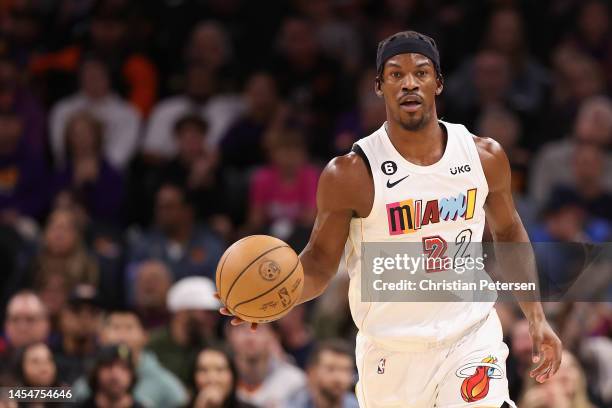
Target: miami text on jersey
[(408, 216)]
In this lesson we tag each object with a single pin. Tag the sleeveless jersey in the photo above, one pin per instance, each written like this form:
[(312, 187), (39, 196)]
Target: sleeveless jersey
[(440, 200)]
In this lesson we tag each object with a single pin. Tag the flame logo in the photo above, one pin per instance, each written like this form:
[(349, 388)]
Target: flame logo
[(476, 386)]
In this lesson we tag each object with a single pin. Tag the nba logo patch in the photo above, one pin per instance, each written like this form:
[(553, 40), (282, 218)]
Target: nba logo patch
[(381, 366)]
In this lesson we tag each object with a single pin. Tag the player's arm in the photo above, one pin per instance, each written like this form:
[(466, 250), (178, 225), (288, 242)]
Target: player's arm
[(506, 226), (345, 190)]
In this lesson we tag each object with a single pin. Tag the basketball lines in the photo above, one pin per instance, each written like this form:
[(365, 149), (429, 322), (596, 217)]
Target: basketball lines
[(247, 267), (225, 256), (271, 289)]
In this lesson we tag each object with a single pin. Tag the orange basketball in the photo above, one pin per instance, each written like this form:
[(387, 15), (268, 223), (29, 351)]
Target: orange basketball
[(260, 278)]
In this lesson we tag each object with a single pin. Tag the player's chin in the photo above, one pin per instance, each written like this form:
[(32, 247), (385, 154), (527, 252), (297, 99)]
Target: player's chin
[(413, 123)]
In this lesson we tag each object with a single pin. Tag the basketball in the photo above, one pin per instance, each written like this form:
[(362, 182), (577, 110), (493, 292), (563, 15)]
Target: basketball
[(259, 278)]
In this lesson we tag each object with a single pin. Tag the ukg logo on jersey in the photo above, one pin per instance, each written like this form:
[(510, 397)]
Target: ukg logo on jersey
[(408, 216)]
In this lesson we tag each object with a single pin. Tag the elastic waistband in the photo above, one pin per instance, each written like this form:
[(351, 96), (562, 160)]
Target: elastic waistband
[(424, 345)]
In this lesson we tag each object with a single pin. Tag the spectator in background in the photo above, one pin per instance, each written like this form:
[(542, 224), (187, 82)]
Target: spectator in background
[(26, 322), (283, 193), (295, 335), (505, 127), (364, 119), (199, 97), (192, 325), (519, 360), (210, 46), (16, 97), (152, 282), (330, 371), (576, 78), (155, 386), (567, 223), (54, 294), (188, 248), (588, 167), (565, 220), (108, 40), (215, 380), (195, 168), (593, 34), (308, 80), (63, 254), (482, 84), (594, 352), (87, 173), (22, 28), (36, 367), (242, 145), (566, 389), (264, 378), (121, 122), (112, 379), (529, 79), (552, 167), (79, 325), (338, 39), (23, 182)]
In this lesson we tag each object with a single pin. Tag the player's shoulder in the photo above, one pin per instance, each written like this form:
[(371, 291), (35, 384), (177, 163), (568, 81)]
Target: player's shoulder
[(346, 183), (489, 149), (347, 167), (494, 162)]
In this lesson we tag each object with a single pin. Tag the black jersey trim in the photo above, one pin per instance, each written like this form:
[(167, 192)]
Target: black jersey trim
[(359, 151)]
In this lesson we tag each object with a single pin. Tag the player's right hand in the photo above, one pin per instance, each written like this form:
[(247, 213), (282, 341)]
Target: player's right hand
[(236, 321)]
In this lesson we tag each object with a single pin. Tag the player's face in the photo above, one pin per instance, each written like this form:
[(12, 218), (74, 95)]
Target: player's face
[(409, 85)]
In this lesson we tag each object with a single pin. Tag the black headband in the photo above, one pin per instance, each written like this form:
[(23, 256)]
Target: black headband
[(404, 45)]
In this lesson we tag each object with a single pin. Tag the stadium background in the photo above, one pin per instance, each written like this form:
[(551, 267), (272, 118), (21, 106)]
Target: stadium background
[(139, 138)]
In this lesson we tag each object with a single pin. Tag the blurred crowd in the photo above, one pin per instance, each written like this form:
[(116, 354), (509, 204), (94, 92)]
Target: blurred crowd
[(138, 139)]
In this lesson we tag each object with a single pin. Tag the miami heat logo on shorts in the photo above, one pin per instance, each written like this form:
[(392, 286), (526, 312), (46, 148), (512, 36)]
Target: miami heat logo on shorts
[(476, 384)]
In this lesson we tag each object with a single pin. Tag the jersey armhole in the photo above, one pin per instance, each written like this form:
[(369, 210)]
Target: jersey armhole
[(359, 152), (476, 158)]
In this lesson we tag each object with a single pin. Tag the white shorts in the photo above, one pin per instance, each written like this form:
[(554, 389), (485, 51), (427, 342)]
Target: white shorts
[(470, 372)]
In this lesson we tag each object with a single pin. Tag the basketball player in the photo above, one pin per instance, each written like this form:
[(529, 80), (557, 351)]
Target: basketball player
[(413, 355)]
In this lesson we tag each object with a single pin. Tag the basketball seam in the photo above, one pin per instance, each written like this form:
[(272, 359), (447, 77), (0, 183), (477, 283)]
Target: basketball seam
[(272, 288), (249, 265), (225, 260)]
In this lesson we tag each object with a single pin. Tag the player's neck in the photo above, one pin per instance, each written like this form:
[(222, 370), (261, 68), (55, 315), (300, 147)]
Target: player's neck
[(422, 147)]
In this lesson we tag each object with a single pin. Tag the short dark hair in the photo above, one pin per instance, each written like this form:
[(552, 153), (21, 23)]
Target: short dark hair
[(411, 35), (337, 346), (191, 119), (125, 311), (187, 196), (108, 355)]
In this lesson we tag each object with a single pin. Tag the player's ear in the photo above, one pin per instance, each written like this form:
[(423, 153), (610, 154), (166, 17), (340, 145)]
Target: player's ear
[(440, 83), (377, 87)]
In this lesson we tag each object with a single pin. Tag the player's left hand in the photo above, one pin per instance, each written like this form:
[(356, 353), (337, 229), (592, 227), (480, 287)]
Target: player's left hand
[(546, 350)]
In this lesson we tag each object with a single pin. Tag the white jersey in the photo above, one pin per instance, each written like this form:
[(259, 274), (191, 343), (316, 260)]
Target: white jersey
[(413, 202)]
